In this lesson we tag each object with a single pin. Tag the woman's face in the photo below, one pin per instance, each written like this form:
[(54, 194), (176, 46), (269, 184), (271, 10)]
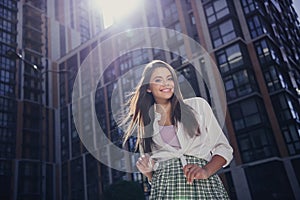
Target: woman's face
[(161, 85)]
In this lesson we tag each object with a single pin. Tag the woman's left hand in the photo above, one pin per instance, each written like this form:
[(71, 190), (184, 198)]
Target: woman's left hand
[(192, 171)]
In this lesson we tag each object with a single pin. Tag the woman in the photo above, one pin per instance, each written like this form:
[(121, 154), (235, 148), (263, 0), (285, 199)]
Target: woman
[(183, 142)]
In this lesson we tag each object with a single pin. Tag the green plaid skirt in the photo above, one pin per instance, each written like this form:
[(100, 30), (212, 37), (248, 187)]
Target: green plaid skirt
[(169, 183)]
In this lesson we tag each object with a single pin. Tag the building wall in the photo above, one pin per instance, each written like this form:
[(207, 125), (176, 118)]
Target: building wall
[(28, 156), (255, 47)]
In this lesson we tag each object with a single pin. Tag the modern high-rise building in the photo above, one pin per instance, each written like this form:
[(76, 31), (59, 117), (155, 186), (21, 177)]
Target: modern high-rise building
[(35, 33), (254, 45)]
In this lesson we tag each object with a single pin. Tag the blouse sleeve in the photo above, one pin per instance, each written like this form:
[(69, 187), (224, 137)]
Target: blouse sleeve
[(218, 142)]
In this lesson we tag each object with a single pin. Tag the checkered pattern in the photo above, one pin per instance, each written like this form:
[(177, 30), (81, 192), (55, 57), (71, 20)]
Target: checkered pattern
[(169, 183)]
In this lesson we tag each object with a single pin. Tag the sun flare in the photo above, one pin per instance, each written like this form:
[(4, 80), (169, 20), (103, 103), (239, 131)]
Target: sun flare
[(115, 10)]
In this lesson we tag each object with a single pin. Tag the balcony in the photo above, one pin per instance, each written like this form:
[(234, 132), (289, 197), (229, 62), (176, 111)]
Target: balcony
[(39, 5)]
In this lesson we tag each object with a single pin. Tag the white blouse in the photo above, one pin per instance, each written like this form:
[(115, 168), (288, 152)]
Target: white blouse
[(211, 141)]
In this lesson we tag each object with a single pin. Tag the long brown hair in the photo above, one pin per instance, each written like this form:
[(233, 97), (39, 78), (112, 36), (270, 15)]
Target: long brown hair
[(141, 109)]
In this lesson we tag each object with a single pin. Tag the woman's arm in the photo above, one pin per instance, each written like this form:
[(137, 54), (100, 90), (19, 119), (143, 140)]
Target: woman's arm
[(193, 171), (218, 142), (144, 165)]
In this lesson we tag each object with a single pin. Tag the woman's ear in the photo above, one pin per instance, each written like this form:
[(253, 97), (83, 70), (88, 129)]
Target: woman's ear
[(148, 90)]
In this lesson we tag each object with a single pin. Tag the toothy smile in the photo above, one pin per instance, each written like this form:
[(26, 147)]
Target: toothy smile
[(166, 90)]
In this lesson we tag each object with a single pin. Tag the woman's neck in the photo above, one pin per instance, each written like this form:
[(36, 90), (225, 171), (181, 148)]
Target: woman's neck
[(163, 108), (165, 111)]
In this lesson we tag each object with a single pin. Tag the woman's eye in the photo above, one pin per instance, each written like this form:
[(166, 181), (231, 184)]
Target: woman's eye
[(170, 79), (157, 80)]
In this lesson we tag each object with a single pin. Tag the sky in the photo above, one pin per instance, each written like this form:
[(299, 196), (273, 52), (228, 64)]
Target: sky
[(297, 7)]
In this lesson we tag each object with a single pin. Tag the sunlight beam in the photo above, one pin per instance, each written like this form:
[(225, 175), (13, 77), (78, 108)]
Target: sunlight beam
[(115, 10)]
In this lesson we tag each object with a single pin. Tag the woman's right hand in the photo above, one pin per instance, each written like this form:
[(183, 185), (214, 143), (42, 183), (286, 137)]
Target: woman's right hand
[(145, 165)]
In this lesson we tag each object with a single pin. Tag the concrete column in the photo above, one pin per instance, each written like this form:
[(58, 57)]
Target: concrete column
[(240, 183), (292, 178)]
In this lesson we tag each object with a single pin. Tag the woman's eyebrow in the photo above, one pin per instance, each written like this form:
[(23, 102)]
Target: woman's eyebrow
[(157, 77), (161, 76)]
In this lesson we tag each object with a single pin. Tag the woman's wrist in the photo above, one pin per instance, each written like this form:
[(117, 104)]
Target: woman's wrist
[(208, 172), (214, 165), (149, 176)]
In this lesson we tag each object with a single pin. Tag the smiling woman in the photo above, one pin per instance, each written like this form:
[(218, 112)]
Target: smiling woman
[(115, 10), (182, 146)]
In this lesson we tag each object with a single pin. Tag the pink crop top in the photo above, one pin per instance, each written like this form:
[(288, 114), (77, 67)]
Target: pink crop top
[(168, 135)]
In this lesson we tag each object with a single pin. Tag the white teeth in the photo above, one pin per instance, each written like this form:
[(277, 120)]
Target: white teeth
[(166, 90)]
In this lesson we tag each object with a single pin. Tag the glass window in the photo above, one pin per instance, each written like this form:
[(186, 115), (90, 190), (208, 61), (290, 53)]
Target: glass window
[(192, 19), (109, 74), (8, 13), (156, 41), (110, 91), (77, 182), (91, 169), (75, 148), (139, 57), (274, 79), (104, 176), (64, 128), (243, 116), (50, 182), (230, 58), (292, 138), (11, 4), (65, 180), (29, 177), (6, 90), (152, 15), (7, 25), (84, 53), (7, 75), (287, 112), (86, 116), (256, 144), (7, 125), (249, 5), (223, 33), (170, 9), (176, 34), (216, 10), (7, 38), (92, 182), (100, 109), (116, 136), (256, 26), (239, 84), (71, 65), (187, 78), (73, 129), (6, 175), (125, 65), (7, 148), (267, 52), (175, 42)]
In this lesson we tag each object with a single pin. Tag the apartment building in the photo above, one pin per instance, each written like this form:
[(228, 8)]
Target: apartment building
[(35, 33), (254, 45)]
